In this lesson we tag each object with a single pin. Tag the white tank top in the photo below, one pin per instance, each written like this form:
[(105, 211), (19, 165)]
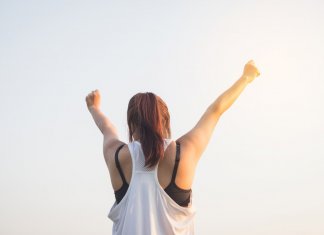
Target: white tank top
[(146, 209)]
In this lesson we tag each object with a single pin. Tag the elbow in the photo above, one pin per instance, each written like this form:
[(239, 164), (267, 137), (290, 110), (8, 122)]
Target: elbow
[(219, 110), (216, 109)]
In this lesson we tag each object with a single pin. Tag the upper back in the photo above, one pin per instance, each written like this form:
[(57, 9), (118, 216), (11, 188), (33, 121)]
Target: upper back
[(185, 173), (146, 208)]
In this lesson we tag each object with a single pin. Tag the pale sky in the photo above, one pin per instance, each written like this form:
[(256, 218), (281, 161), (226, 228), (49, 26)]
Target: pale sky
[(263, 170)]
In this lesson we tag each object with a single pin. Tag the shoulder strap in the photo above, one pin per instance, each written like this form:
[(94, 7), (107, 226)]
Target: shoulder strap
[(118, 165), (167, 142), (175, 169)]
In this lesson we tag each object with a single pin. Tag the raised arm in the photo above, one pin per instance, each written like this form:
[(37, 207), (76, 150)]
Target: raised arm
[(106, 127), (196, 140)]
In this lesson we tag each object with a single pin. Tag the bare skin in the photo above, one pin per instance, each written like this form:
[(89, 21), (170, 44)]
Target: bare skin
[(193, 143)]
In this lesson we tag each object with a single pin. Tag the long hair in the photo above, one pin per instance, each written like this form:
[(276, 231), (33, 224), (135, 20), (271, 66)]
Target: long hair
[(149, 115)]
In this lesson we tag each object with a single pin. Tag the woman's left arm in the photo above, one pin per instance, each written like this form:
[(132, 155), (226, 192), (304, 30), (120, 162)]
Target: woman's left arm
[(106, 127)]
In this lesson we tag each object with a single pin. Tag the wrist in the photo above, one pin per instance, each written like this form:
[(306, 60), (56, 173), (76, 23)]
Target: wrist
[(93, 108), (245, 78)]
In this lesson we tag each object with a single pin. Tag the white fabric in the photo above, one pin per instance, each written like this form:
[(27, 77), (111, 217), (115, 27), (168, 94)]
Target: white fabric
[(146, 209)]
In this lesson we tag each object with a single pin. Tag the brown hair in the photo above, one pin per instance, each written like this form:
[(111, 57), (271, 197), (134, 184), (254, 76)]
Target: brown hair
[(149, 114)]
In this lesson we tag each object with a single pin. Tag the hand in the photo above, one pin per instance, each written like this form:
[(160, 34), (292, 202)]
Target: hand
[(250, 71), (93, 100)]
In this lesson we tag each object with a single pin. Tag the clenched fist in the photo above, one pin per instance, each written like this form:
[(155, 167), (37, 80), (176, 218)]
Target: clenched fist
[(93, 99), (250, 71)]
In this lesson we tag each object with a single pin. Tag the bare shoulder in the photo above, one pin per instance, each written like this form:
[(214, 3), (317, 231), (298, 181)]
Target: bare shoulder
[(187, 149), (110, 150), (187, 165), (124, 160)]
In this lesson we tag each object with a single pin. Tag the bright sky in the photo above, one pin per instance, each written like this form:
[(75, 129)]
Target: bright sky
[(263, 170)]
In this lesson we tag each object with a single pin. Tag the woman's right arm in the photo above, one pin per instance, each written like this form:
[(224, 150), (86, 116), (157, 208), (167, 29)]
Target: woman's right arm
[(196, 140)]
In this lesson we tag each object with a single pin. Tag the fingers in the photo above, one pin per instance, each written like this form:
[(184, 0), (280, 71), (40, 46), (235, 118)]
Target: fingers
[(91, 94), (251, 65)]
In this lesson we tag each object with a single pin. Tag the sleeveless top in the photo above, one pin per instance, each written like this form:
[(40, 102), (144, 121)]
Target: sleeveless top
[(179, 195), (146, 208)]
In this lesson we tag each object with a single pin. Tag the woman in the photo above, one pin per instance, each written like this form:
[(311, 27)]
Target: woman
[(152, 175)]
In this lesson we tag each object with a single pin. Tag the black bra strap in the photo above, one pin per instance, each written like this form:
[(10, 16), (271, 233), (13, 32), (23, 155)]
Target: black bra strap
[(118, 165), (175, 169)]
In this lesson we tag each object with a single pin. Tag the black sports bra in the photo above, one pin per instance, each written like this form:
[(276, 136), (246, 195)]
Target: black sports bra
[(179, 195)]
